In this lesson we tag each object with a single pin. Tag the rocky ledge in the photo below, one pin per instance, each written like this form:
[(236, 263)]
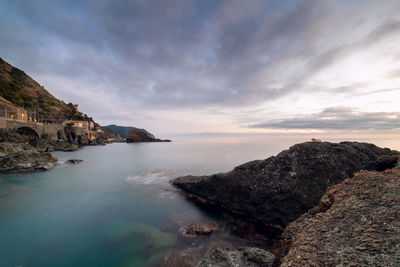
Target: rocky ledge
[(20, 157), (355, 224), (277, 190)]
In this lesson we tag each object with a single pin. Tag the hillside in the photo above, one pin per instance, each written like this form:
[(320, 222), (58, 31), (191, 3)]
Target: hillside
[(21, 90), (124, 130)]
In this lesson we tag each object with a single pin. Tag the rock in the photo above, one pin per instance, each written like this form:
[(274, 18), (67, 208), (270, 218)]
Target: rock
[(71, 147), (99, 141), (386, 162), (137, 135), (12, 136), (279, 189), (42, 145), (20, 157), (184, 258), (198, 230), (355, 224), (243, 257), (176, 220), (73, 161)]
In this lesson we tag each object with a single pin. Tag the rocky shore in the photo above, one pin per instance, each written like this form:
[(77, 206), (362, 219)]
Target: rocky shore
[(17, 155), (277, 190), (355, 223), (20, 152)]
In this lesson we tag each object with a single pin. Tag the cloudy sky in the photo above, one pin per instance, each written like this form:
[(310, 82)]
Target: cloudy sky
[(186, 66)]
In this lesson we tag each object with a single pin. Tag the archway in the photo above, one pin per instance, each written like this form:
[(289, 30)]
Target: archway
[(28, 132)]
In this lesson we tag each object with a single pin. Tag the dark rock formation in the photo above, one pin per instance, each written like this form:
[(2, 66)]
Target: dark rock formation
[(12, 136), (42, 145), (355, 224), (245, 256), (73, 161), (22, 157), (18, 155), (199, 229), (138, 135), (281, 188)]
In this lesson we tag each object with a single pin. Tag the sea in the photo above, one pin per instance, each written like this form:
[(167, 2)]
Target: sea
[(118, 207)]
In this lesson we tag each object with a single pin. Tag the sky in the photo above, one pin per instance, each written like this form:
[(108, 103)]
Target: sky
[(217, 66)]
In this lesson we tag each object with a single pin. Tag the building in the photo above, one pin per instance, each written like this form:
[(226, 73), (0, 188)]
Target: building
[(87, 125), (10, 111)]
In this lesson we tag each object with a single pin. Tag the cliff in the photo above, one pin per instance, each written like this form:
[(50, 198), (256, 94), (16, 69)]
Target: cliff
[(277, 190)]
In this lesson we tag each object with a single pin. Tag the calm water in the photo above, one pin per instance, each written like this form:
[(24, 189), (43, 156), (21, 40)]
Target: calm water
[(117, 207)]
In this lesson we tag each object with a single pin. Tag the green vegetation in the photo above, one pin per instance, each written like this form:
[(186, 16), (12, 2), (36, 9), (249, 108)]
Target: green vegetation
[(19, 89), (71, 113)]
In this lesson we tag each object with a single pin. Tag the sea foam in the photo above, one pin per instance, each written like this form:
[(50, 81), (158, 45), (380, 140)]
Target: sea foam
[(151, 177)]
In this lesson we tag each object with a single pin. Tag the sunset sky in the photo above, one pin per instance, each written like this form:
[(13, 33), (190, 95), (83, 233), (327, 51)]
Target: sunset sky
[(185, 66)]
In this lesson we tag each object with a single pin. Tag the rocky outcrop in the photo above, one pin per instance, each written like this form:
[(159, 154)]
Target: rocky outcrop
[(137, 135), (281, 188), (199, 229), (245, 256), (355, 224), (22, 157)]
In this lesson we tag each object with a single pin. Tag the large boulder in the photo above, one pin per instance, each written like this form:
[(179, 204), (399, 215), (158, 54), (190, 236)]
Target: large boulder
[(279, 189), (355, 224)]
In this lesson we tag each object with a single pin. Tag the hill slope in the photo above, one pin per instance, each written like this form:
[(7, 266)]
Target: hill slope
[(21, 90), (124, 130)]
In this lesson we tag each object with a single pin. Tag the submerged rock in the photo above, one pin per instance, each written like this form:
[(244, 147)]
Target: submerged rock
[(199, 229), (355, 224), (184, 258), (279, 189), (176, 220), (243, 257)]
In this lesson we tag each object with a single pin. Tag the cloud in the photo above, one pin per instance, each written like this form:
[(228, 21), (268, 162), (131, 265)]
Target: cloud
[(337, 119), (152, 56)]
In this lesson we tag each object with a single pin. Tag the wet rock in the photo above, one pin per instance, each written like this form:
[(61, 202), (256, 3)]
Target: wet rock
[(99, 141), (355, 224), (220, 243), (199, 230), (73, 161), (279, 189), (243, 257), (65, 146), (184, 258), (176, 220)]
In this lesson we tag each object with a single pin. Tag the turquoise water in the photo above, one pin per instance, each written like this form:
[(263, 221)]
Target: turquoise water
[(115, 208)]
